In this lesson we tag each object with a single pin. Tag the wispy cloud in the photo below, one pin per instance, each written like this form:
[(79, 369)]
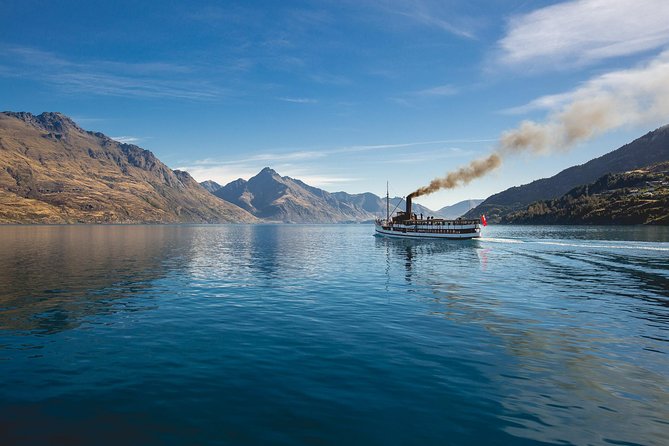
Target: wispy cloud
[(403, 101), (372, 147), (127, 139), (111, 78), (324, 181), (114, 85), (427, 19), (330, 79), (440, 90), (298, 100), (87, 120), (264, 158), (583, 32), (413, 98), (434, 14)]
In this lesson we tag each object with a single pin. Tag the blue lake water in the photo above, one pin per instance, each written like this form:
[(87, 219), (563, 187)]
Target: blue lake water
[(326, 335)]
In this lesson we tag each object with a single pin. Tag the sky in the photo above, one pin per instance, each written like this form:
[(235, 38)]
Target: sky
[(345, 94)]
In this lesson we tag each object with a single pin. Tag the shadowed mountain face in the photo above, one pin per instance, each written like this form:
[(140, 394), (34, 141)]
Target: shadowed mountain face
[(52, 171), (649, 149)]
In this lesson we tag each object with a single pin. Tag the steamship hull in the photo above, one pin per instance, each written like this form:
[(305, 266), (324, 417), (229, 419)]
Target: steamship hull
[(433, 229)]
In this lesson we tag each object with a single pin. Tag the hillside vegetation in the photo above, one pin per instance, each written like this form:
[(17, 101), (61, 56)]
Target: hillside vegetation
[(639, 196)]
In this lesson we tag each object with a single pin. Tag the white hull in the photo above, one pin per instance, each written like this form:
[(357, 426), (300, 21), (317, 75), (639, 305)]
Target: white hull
[(399, 232)]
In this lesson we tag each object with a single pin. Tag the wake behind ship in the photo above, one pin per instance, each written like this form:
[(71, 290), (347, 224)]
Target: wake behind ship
[(407, 225)]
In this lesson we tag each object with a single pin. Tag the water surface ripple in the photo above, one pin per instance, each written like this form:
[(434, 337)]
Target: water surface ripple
[(298, 334)]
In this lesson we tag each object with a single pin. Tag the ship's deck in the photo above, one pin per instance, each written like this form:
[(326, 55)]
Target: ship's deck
[(431, 227)]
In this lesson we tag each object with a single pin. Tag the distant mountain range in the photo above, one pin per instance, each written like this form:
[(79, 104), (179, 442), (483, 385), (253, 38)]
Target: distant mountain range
[(52, 171), (649, 149), (272, 197), (458, 209), (640, 196)]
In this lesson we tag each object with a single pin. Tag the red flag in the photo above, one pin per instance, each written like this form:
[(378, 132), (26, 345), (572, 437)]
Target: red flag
[(483, 220)]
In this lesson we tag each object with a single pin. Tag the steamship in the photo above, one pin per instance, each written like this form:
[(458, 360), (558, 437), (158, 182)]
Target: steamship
[(406, 224)]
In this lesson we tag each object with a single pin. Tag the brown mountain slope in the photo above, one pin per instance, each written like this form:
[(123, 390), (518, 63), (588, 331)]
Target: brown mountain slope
[(52, 171)]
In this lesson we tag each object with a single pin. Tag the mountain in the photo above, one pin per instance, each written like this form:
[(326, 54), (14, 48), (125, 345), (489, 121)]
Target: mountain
[(53, 171), (271, 197), (640, 196), (211, 186), (458, 209), (649, 149)]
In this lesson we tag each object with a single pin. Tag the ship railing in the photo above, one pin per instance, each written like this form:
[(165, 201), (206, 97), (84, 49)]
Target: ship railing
[(406, 229), (439, 223)]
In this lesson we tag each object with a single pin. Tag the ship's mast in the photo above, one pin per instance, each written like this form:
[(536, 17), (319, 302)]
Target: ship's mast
[(387, 203)]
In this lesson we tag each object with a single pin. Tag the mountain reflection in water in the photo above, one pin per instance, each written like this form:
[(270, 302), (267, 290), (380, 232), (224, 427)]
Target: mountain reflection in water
[(53, 276)]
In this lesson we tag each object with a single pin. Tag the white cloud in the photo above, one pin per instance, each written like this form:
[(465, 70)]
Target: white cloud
[(322, 181), (585, 31), (411, 99), (263, 158), (298, 100), (127, 139), (436, 14), (440, 90), (330, 79), (426, 18)]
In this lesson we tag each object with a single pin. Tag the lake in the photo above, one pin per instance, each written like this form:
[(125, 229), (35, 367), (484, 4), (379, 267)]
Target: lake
[(327, 335)]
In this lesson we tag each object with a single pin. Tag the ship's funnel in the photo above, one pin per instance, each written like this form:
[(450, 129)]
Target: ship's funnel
[(408, 211)]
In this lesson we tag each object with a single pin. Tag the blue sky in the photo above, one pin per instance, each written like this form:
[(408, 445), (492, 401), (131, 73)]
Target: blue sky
[(342, 94)]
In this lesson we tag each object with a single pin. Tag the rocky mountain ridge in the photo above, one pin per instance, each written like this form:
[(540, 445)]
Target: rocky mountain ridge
[(53, 171)]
